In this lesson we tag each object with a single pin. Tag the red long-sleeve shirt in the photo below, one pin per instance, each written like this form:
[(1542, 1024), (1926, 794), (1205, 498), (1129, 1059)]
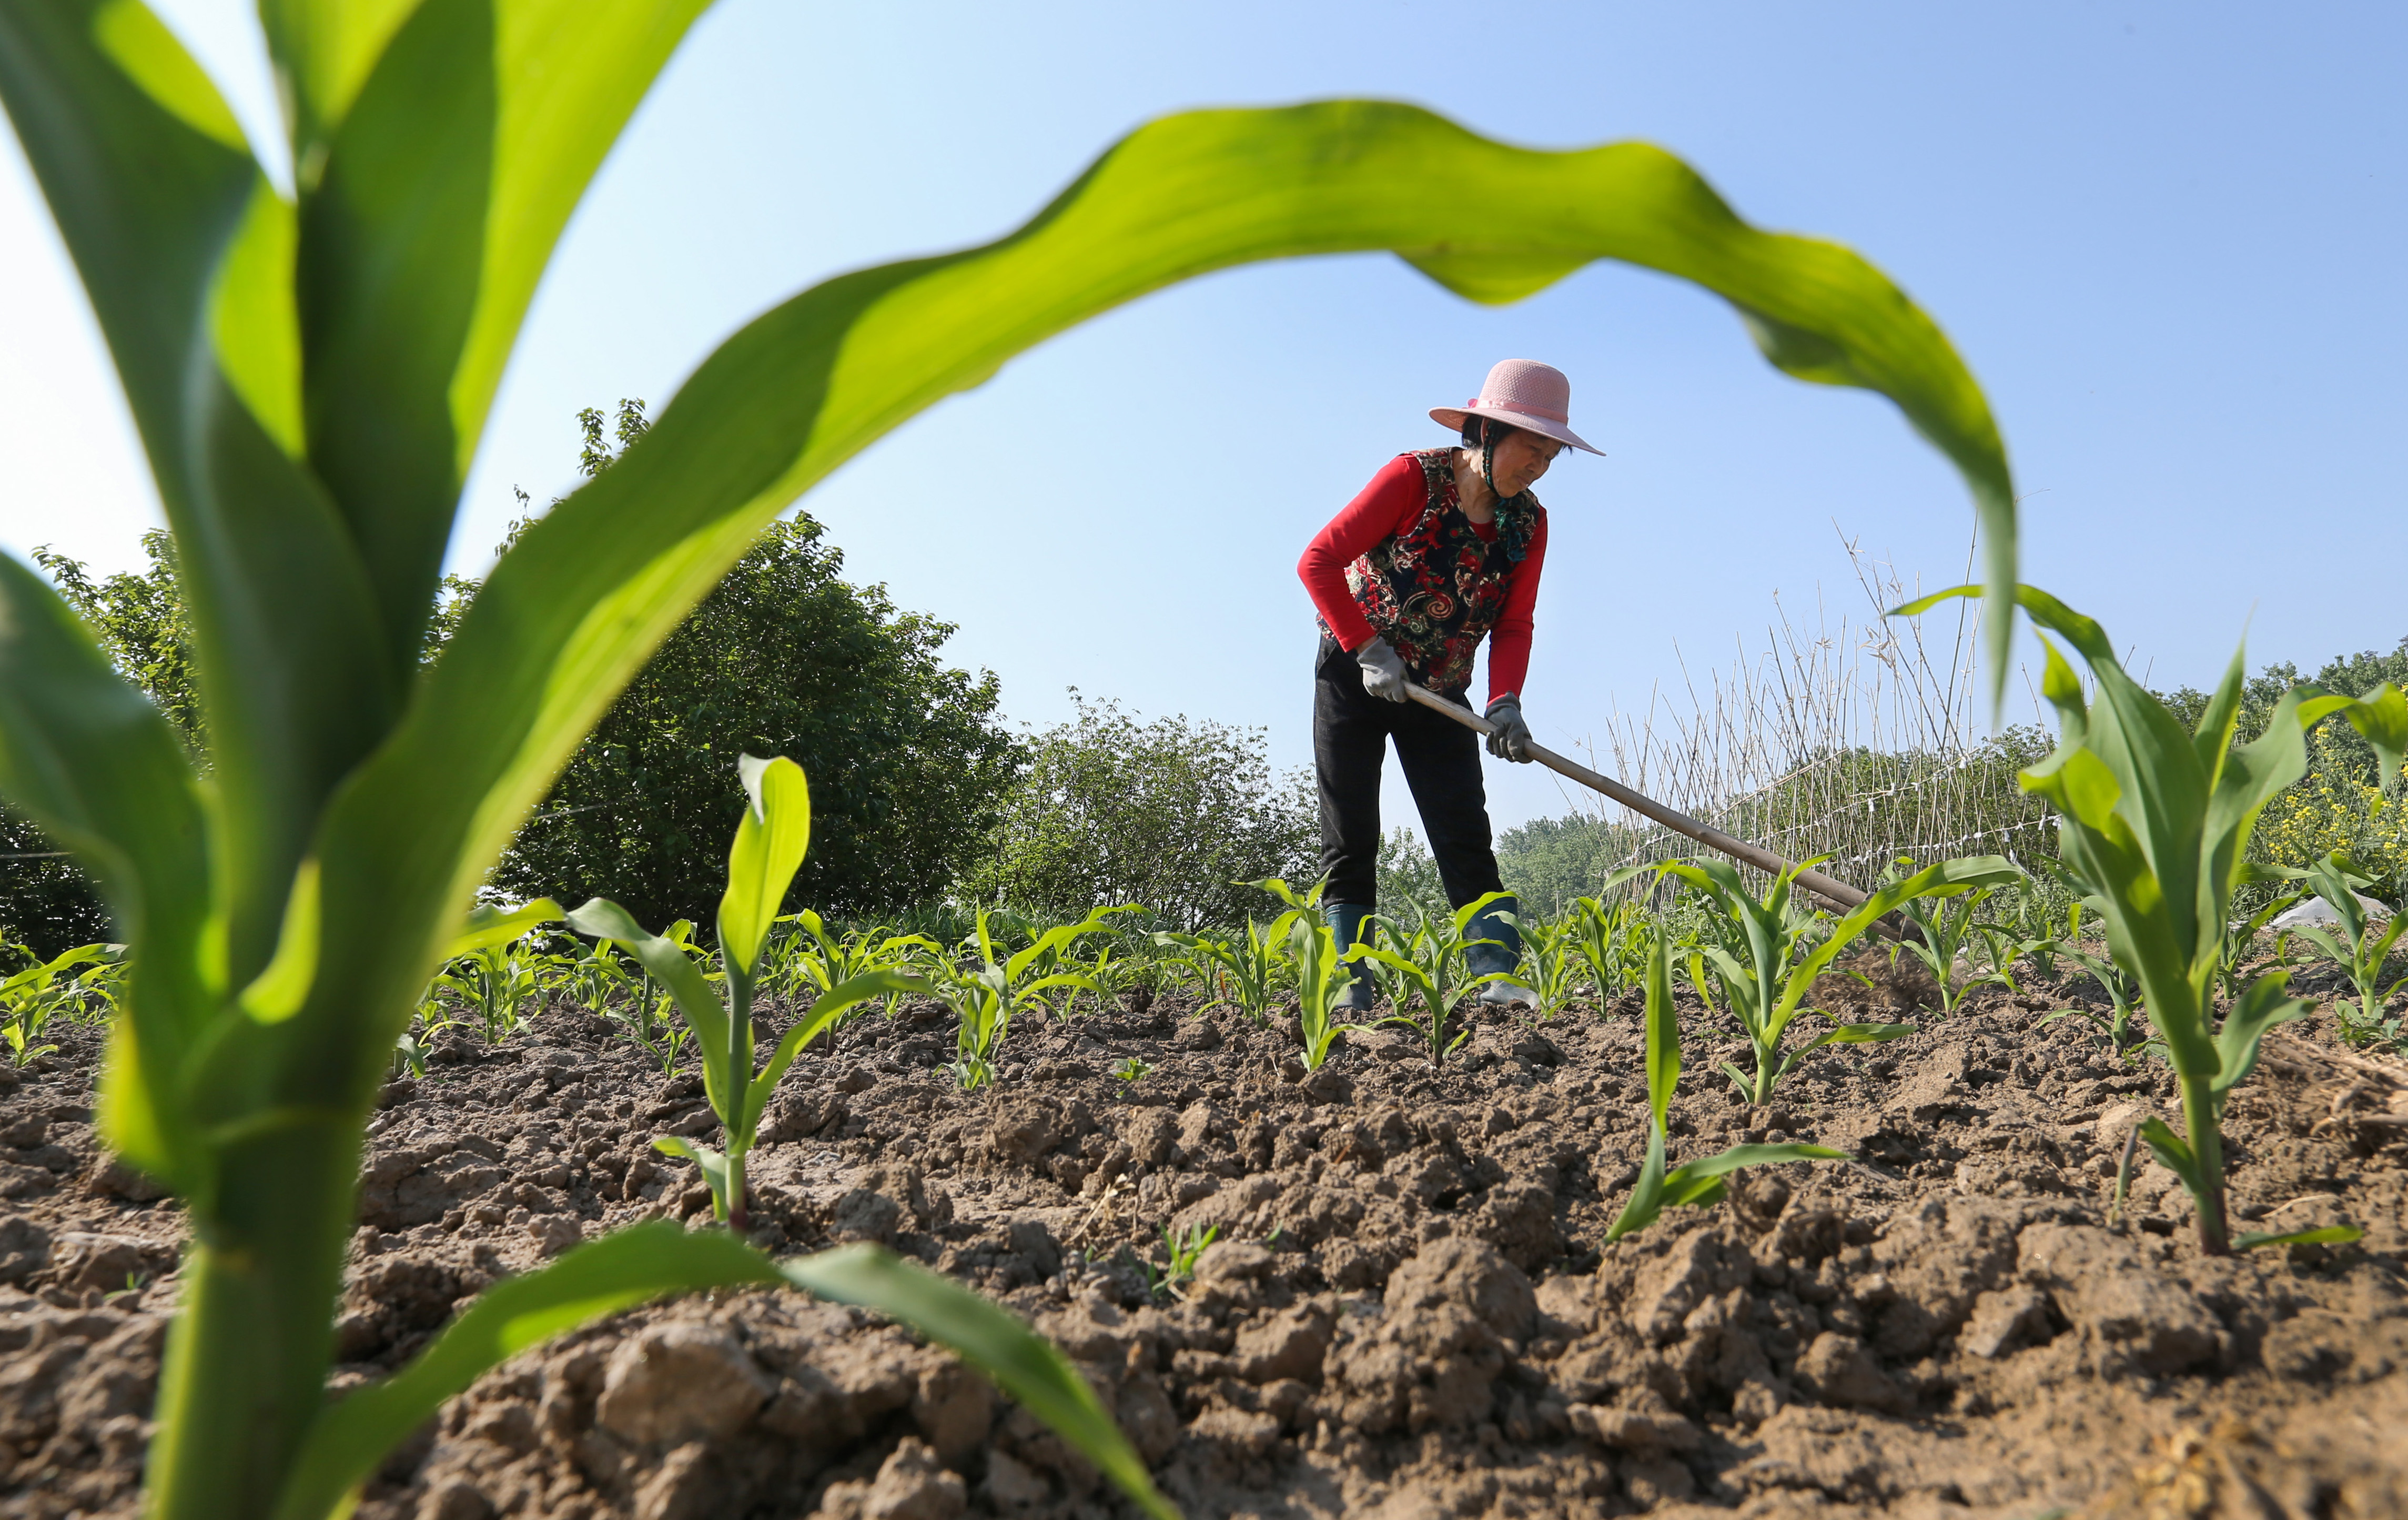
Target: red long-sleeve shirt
[(1391, 504)]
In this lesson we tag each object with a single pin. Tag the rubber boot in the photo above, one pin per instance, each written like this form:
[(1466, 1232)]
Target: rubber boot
[(1346, 927), (1505, 956)]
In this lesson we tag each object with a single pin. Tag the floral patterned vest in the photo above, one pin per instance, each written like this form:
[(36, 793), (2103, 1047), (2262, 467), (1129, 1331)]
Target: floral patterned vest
[(1434, 590)]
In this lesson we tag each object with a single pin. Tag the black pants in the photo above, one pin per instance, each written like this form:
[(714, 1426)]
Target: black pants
[(1351, 730)]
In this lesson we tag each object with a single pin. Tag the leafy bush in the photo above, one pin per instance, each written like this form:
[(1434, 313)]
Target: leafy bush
[(2336, 805), (1171, 813), (908, 758)]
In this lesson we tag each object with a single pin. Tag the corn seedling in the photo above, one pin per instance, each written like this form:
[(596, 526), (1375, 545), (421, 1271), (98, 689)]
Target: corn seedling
[(1940, 930), (770, 839), (311, 374), (1184, 1248), (2118, 1026), (2354, 945), (68, 984), (1434, 969), (2157, 818), (984, 997), (1551, 962), (1245, 974), (1694, 1185), (1132, 1070), (408, 1054), (1607, 938), (598, 981), (1322, 974), (1306, 902), (2002, 950), (811, 961), (2241, 935), (1762, 966), (498, 983)]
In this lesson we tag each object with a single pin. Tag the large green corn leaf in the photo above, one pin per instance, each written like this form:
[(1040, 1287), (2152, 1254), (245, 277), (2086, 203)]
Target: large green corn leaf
[(616, 1272), (152, 190), (770, 839), (1024, 1364), (649, 1261), (579, 603), (441, 154), (92, 760), (1663, 1034)]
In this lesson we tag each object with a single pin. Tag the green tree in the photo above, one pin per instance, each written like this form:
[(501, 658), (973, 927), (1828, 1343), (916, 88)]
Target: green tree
[(1548, 861), (907, 757), (141, 624), (1169, 814)]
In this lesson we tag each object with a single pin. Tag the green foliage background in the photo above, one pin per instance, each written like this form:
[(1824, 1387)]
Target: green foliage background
[(1169, 814), (907, 757)]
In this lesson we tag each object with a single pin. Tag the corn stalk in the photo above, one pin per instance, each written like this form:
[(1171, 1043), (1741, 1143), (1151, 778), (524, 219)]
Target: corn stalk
[(310, 377), (2155, 821)]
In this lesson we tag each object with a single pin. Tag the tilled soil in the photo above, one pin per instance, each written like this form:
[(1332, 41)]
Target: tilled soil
[(1409, 1310)]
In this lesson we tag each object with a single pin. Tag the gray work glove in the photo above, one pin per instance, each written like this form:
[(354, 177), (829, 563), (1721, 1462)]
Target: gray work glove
[(1384, 669), (1511, 739)]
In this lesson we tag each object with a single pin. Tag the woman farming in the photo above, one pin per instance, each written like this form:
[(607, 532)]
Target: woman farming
[(1442, 549)]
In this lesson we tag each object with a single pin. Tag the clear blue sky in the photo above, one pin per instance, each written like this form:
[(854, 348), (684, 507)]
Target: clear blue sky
[(2166, 237)]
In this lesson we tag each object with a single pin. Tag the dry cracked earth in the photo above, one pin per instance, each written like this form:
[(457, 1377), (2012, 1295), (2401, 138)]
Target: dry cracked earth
[(1409, 1311)]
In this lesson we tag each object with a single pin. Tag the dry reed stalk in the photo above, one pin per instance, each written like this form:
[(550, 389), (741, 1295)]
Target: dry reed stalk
[(1858, 741)]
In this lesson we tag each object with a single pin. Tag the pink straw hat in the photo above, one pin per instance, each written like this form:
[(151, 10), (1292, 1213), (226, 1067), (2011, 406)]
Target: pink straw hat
[(1525, 394)]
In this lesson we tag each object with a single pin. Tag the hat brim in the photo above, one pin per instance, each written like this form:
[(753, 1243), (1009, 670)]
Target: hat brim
[(1455, 417)]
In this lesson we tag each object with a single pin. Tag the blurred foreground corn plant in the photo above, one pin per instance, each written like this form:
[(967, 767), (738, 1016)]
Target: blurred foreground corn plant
[(2153, 819), (309, 376)]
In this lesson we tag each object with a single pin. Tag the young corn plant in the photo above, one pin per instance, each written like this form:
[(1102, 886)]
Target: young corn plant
[(2003, 948), (1434, 969), (1692, 1184), (1322, 975), (1607, 940), (1184, 1248), (499, 985), (309, 373), (1245, 974), (2121, 996), (2241, 934), (1764, 965), (1941, 931), (67, 984), (812, 960), (597, 980), (2157, 816), (985, 996), (770, 839), (2354, 945), (1551, 962)]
